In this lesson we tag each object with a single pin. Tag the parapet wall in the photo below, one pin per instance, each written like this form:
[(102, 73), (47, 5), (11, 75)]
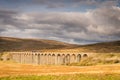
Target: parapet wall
[(49, 58)]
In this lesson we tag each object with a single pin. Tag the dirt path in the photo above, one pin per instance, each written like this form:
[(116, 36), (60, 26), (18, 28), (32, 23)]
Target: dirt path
[(8, 69)]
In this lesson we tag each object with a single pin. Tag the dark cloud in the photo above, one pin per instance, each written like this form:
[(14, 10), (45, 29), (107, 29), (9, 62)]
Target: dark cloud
[(101, 24), (75, 3), (57, 3), (106, 20)]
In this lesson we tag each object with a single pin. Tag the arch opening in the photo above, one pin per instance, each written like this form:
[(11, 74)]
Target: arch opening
[(73, 58), (58, 59), (49, 59), (85, 55), (78, 58), (63, 59), (53, 59), (67, 61)]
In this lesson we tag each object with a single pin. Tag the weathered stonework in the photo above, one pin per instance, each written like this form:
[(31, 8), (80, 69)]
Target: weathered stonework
[(48, 57)]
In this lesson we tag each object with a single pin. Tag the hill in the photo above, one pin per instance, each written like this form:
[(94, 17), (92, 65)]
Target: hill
[(105, 47), (17, 44)]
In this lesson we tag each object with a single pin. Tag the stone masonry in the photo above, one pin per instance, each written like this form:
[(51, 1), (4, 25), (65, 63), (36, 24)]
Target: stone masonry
[(48, 57)]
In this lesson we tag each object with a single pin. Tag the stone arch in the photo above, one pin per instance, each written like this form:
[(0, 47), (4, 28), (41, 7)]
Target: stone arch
[(41, 59), (32, 56), (85, 55), (67, 59), (49, 59), (18, 57), (29, 58), (45, 59), (13, 56), (53, 59), (25, 58), (38, 58), (72, 58), (78, 57), (35, 58), (63, 58), (58, 59), (21, 58)]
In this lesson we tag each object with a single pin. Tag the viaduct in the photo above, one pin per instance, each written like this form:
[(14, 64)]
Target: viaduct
[(63, 57)]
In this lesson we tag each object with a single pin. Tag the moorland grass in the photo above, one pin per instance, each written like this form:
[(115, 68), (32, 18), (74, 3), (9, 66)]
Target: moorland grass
[(99, 59), (66, 77)]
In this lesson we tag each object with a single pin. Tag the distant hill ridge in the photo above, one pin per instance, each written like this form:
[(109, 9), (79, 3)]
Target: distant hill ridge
[(19, 44)]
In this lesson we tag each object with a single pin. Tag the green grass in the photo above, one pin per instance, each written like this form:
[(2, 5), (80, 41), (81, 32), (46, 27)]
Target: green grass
[(67, 77), (99, 59)]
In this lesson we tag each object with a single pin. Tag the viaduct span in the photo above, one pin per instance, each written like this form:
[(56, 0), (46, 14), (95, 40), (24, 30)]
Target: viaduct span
[(48, 57)]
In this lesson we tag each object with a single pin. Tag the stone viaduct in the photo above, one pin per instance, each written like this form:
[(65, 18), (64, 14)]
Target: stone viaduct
[(48, 57)]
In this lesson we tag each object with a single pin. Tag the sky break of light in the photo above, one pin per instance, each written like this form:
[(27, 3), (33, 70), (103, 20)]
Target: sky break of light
[(73, 21)]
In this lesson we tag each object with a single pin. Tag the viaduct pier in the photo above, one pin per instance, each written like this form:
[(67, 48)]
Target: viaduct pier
[(62, 57)]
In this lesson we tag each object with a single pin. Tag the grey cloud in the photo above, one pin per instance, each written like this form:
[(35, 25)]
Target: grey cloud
[(20, 4), (8, 20), (7, 17), (98, 25), (75, 3), (63, 3), (106, 20)]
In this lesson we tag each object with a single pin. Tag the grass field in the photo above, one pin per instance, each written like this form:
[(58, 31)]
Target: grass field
[(66, 77), (15, 71), (97, 67)]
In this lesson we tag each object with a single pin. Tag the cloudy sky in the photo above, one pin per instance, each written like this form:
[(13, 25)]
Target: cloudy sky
[(73, 21)]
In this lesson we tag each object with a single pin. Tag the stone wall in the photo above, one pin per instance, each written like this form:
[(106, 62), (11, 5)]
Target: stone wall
[(49, 58)]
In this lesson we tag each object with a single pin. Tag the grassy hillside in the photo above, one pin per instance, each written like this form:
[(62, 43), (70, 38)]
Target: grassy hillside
[(16, 44), (106, 47)]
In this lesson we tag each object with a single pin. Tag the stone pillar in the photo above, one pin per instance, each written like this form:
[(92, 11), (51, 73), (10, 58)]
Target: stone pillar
[(30, 55), (72, 58), (25, 60), (15, 57), (29, 58), (39, 58), (19, 57), (56, 62), (12, 56), (32, 58), (22, 58), (44, 59), (58, 59), (63, 59), (67, 59), (78, 58), (49, 59), (53, 59), (36, 58)]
